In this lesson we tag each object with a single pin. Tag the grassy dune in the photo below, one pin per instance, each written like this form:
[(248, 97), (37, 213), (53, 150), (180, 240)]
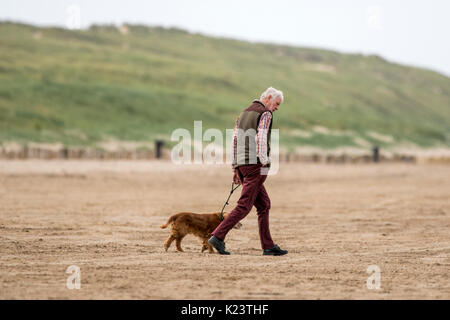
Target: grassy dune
[(138, 83)]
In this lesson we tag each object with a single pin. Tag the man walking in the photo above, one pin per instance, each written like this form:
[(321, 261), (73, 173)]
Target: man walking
[(251, 163)]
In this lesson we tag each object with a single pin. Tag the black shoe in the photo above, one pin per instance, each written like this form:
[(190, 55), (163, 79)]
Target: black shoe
[(275, 251), (218, 244)]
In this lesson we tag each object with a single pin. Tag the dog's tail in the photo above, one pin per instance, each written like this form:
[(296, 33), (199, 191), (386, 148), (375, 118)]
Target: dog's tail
[(171, 219)]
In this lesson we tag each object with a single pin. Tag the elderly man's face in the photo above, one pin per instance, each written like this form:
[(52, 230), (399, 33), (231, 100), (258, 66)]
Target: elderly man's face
[(273, 104)]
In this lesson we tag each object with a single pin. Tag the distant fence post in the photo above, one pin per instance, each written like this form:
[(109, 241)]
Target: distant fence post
[(375, 154), (65, 153), (158, 148)]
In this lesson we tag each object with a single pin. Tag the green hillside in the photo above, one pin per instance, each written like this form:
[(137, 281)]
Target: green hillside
[(138, 83)]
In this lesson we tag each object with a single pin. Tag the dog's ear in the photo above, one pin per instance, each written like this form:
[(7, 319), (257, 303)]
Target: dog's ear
[(238, 225)]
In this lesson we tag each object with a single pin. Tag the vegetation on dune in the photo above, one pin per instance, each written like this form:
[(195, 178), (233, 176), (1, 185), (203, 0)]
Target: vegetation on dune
[(136, 83)]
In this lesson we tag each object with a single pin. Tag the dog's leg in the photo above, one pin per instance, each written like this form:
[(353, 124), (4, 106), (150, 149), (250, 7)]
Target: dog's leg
[(178, 243), (204, 243), (169, 242), (207, 246)]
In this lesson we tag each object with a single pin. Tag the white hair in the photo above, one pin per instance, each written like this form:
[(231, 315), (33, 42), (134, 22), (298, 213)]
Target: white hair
[(272, 91)]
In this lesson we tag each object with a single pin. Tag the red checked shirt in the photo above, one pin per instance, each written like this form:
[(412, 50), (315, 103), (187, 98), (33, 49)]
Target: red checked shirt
[(261, 138)]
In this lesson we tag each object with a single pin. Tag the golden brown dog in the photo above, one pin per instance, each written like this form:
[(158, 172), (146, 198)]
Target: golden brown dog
[(200, 225)]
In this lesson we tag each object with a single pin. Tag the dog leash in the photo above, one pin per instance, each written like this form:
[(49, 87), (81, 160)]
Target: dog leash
[(231, 192)]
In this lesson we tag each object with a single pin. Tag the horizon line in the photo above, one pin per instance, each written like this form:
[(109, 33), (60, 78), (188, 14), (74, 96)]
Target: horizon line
[(228, 37)]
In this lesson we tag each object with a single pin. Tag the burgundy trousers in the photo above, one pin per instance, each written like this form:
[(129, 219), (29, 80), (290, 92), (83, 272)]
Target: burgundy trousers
[(253, 194)]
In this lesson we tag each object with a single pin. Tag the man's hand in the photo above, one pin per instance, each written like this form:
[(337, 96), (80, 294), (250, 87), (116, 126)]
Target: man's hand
[(236, 178)]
